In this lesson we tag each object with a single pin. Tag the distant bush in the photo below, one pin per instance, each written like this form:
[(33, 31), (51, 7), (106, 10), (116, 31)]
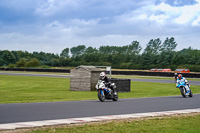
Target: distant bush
[(32, 63), (11, 66), (45, 66), (21, 63)]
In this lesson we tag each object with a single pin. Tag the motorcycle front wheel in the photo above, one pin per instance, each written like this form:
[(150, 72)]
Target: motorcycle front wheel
[(101, 95), (183, 91)]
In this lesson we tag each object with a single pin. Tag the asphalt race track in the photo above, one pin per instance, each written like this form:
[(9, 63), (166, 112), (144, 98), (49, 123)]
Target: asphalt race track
[(37, 75), (164, 81), (23, 112)]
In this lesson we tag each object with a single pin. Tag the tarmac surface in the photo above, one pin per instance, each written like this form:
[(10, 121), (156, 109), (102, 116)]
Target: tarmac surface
[(24, 112)]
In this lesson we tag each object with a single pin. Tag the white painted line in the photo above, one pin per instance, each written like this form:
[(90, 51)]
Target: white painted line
[(118, 116), (57, 122), (86, 119), (10, 126)]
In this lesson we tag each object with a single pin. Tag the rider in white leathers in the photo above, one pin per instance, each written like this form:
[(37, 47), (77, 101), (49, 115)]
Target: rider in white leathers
[(182, 79)]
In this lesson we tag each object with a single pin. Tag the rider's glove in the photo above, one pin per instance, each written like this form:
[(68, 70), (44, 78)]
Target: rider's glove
[(177, 85)]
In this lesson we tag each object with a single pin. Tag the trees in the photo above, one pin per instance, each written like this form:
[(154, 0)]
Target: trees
[(79, 50), (21, 62), (151, 52), (24, 62), (20, 58), (167, 52), (134, 48), (153, 47), (6, 57), (155, 55), (32, 63), (159, 54), (90, 50), (65, 53), (133, 53), (169, 45)]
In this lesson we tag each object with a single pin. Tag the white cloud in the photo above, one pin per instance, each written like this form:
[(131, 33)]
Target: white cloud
[(158, 18), (51, 7), (66, 23), (55, 24), (164, 13), (188, 13), (196, 22), (142, 16), (181, 14), (83, 22)]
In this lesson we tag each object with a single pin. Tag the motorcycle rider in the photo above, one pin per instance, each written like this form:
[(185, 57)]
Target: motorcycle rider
[(175, 76), (182, 79), (104, 77), (106, 80)]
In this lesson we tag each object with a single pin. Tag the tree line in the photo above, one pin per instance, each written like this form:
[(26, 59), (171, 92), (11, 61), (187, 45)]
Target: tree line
[(157, 54)]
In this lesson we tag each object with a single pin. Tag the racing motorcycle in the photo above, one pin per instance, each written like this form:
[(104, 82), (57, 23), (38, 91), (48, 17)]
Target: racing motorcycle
[(105, 92), (185, 89)]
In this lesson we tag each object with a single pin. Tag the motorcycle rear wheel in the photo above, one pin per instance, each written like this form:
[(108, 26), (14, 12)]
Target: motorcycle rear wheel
[(115, 97), (100, 96), (190, 95)]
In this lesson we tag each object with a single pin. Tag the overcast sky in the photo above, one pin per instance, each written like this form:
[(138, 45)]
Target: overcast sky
[(52, 25)]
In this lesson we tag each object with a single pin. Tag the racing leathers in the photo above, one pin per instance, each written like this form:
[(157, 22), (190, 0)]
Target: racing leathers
[(106, 80), (108, 83), (186, 83)]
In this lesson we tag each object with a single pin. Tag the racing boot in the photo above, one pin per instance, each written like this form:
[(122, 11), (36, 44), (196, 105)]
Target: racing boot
[(188, 89)]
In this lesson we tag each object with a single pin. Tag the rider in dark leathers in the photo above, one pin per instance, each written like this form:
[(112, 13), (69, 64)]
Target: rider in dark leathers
[(106, 80)]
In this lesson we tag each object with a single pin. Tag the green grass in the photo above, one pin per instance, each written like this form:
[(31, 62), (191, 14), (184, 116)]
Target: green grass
[(20, 89), (25, 89), (183, 124)]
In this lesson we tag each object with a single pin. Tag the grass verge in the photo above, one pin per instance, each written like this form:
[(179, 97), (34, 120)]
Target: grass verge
[(25, 89), (184, 123)]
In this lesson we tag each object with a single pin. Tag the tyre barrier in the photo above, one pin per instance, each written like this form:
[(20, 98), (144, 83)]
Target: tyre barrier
[(37, 70), (123, 85)]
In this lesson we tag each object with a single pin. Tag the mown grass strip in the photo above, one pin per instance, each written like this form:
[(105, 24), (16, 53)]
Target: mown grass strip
[(177, 124), (26, 89)]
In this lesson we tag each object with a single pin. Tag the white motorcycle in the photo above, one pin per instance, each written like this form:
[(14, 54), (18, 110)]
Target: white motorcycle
[(105, 92), (184, 89)]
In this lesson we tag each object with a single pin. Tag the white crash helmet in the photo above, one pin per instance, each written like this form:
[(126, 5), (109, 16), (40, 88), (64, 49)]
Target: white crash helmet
[(102, 75)]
